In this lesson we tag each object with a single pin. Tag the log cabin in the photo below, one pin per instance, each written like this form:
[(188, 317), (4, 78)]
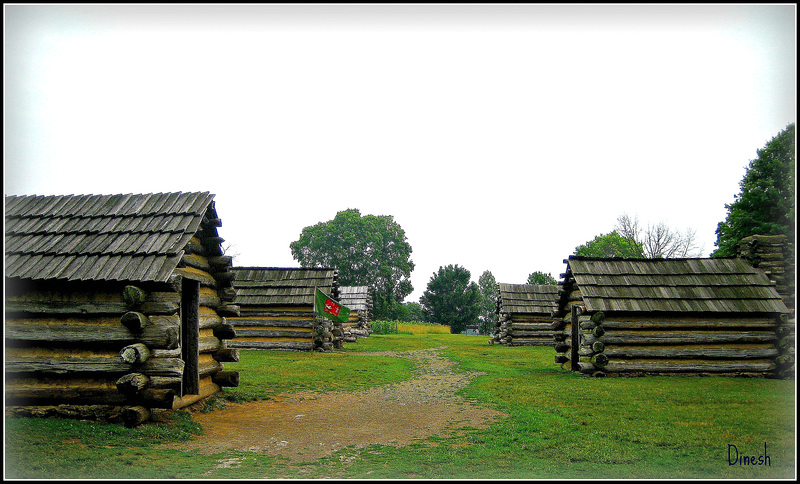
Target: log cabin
[(359, 300), (115, 305), (524, 314), (277, 309), (629, 317)]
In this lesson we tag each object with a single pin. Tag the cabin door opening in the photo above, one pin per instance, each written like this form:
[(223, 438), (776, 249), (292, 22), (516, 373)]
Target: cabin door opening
[(190, 336), (575, 337)]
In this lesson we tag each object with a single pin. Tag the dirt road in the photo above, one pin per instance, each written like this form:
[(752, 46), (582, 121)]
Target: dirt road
[(308, 426)]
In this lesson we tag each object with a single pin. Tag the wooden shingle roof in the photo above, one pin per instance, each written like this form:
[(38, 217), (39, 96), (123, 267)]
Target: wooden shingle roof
[(527, 298), (674, 285), (101, 237), (357, 298), (264, 286)]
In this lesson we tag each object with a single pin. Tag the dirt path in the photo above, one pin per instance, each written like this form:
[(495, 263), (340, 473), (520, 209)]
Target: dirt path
[(308, 426)]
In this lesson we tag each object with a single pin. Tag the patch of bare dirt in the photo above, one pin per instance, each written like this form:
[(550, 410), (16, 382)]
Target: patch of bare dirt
[(307, 426)]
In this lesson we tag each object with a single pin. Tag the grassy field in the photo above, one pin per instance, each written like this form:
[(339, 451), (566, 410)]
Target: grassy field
[(559, 425)]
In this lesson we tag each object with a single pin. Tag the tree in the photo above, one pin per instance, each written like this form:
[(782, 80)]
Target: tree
[(658, 241), (541, 278), (487, 319), (610, 245), (409, 311), (766, 203), (451, 299), (367, 250)]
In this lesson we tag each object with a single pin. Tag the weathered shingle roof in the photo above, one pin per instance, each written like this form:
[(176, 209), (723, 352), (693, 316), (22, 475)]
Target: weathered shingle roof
[(100, 237), (527, 298), (357, 298), (264, 286), (674, 285)]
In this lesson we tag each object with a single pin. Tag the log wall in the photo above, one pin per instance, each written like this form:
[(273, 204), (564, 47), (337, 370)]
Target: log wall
[(636, 345), (284, 328), (773, 255), (520, 329), (112, 350)]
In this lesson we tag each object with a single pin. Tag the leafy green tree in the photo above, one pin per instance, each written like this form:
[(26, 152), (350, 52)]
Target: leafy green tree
[(451, 299), (540, 277), (610, 245), (367, 250), (766, 203), (487, 319), (409, 311)]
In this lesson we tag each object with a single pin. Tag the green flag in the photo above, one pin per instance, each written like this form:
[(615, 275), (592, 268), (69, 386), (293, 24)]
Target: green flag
[(327, 307)]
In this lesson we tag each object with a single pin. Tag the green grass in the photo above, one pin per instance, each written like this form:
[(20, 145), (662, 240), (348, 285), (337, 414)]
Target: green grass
[(559, 425)]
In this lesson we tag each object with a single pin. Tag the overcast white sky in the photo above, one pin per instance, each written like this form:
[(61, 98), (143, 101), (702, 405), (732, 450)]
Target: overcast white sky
[(499, 137)]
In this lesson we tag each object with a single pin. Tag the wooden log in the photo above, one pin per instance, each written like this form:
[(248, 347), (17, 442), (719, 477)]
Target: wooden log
[(562, 347), (250, 322), (209, 318), (225, 355), (203, 277), (598, 346), (103, 332), (685, 337), (702, 323), (162, 367), (135, 353), (559, 359), (759, 352), (784, 361), (133, 296), (61, 365), (208, 344), (170, 382), (226, 378), (690, 366), (304, 313), (225, 331), (61, 307), (220, 263), (196, 260), (268, 333), (229, 309), (49, 391), (135, 416), (207, 388), (134, 321), (227, 294), (598, 317), (272, 345), (599, 360), (132, 383), (155, 397)]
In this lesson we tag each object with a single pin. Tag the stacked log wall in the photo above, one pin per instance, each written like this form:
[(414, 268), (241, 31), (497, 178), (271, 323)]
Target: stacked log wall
[(616, 344), (774, 255), (525, 329), (359, 324), (561, 318), (112, 350), (278, 327)]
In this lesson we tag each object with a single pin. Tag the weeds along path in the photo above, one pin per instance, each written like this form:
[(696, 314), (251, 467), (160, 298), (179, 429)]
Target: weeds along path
[(307, 426)]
